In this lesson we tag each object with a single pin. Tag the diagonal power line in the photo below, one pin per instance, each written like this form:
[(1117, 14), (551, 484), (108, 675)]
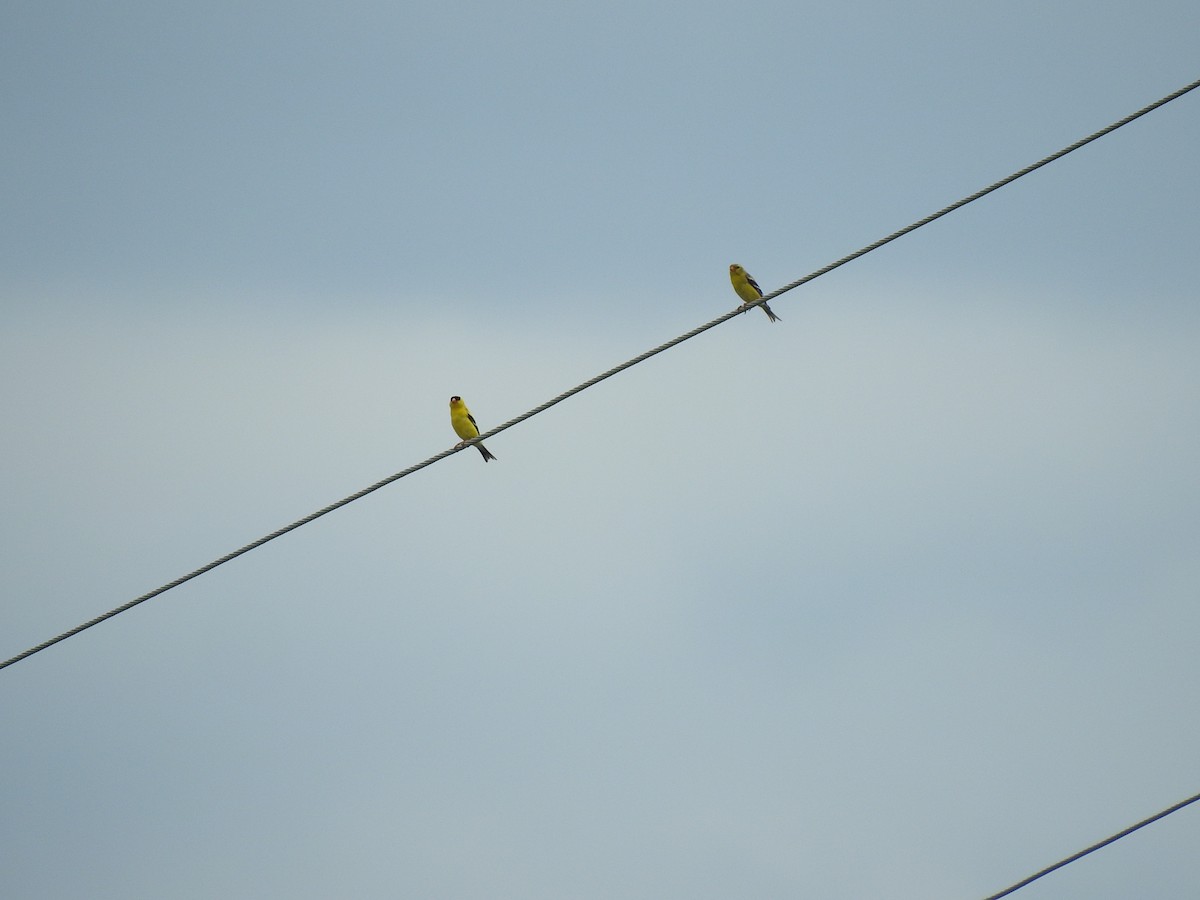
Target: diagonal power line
[(1096, 846), (604, 375)]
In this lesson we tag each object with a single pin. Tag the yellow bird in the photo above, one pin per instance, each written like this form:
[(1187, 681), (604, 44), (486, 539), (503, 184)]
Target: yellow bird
[(747, 288), (464, 425)]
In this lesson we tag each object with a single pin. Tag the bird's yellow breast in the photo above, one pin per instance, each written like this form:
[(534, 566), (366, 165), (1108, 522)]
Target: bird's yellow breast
[(462, 423)]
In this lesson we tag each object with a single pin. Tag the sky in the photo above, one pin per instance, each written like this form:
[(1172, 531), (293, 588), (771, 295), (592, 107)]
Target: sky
[(894, 598)]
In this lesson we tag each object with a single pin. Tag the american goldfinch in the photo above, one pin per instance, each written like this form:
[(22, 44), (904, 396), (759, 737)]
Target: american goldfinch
[(464, 425), (747, 288)]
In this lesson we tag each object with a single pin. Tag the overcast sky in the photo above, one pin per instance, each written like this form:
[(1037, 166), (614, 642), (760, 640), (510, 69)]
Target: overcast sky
[(894, 598)]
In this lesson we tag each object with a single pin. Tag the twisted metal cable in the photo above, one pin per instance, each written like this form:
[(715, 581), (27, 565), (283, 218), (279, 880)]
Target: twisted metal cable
[(1104, 843), (993, 187), (601, 377)]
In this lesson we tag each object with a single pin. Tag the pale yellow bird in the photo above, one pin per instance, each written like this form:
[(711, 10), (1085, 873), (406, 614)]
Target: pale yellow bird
[(747, 288), (464, 425)]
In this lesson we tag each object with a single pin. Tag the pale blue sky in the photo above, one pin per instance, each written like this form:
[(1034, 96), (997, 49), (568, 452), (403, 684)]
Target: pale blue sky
[(896, 598)]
